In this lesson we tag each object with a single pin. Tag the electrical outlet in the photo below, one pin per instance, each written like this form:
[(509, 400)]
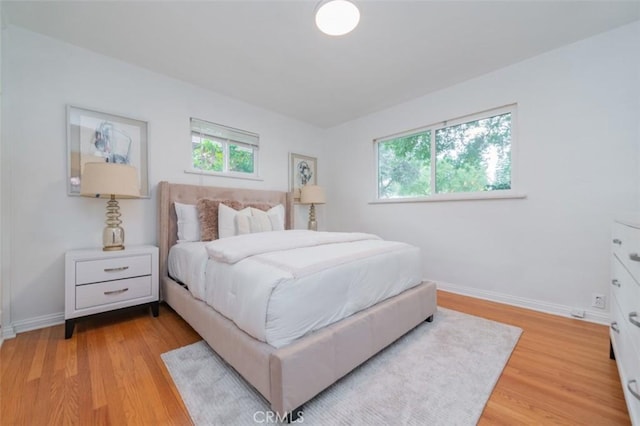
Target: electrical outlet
[(598, 300)]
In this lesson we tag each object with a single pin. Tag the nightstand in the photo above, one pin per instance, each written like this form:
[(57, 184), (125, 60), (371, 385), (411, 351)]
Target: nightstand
[(99, 281)]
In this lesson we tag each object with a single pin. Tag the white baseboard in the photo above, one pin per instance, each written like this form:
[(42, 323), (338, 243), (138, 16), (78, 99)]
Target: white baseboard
[(8, 332), (32, 324), (598, 317)]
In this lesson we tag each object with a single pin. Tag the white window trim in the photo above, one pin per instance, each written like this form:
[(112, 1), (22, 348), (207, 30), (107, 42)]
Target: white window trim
[(513, 193), (233, 175), (226, 141), (460, 196)]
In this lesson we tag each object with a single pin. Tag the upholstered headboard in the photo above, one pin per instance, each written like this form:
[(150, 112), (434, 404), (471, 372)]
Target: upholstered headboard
[(169, 193)]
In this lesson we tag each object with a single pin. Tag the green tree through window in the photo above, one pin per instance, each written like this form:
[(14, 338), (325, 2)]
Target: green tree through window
[(474, 156), (240, 159), (220, 149), (207, 155), (404, 166), (471, 155)]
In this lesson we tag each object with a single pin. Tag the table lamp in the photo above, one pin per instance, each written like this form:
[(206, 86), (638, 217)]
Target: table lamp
[(110, 180), (312, 194)]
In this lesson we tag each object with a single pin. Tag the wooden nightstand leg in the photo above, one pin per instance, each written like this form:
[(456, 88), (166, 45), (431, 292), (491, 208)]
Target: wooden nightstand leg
[(68, 328), (155, 308)]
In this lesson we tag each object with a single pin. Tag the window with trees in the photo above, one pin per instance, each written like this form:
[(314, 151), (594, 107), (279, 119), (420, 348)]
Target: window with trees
[(221, 149), (471, 154)]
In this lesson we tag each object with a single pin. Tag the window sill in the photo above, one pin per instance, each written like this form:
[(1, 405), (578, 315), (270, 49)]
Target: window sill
[(225, 175), (471, 196)]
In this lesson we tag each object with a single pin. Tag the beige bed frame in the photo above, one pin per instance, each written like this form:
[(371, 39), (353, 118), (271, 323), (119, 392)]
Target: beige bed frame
[(289, 376)]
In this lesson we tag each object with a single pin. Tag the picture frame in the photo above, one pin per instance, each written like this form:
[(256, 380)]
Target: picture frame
[(303, 170), (94, 136)]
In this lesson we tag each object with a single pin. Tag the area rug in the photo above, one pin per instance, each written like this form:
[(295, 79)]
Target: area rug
[(440, 373)]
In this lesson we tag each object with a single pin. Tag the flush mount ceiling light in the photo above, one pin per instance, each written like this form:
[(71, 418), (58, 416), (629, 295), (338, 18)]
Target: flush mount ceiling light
[(337, 17)]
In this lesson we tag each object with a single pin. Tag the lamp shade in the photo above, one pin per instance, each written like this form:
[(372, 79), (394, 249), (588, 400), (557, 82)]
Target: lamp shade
[(106, 179), (313, 194)]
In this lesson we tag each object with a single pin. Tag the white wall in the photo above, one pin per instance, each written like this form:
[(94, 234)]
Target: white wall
[(41, 76), (578, 134), (578, 141)]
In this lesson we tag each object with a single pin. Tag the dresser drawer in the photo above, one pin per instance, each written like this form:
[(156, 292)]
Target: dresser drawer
[(103, 293), (626, 247), (628, 359), (115, 268), (625, 308), (626, 291), (617, 238)]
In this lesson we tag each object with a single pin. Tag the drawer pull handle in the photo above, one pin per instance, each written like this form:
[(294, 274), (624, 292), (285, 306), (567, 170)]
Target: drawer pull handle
[(614, 327), (120, 269), (633, 392), (617, 241), (632, 318), (635, 257), (112, 292), (616, 283)]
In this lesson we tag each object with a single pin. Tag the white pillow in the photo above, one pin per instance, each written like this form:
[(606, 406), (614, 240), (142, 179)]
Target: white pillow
[(274, 214), (252, 224), (188, 222), (227, 220), (242, 224), (262, 219), (277, 222)]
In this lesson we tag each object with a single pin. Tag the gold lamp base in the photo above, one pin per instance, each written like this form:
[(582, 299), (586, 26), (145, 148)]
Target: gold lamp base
[(313, 224), (113, 234)]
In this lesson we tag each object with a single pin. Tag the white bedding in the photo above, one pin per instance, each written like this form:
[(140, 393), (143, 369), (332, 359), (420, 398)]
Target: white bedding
[(306, 282), (187, 262), (278, 286)]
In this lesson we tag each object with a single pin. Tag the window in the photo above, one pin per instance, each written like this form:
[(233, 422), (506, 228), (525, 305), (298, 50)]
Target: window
[(220, 149), (472, 154)]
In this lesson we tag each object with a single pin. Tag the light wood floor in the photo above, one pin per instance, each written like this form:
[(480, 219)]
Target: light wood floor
[(559, 373), (111, 372)]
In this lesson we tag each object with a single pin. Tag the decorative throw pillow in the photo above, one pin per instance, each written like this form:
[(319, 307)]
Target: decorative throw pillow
[(227, 226), (246, 224), (208, 216), (259, 222), (242, 224), (277, 223), (188, 222), (274, 214)]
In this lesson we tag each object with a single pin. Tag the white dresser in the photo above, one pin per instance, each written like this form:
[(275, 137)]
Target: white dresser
[(98, 281), (625, 311)]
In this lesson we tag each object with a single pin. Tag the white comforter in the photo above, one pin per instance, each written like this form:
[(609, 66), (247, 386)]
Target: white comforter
[(187, 263), (279, 286)]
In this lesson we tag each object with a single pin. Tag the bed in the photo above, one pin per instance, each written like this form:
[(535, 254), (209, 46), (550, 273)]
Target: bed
[(292, 374)]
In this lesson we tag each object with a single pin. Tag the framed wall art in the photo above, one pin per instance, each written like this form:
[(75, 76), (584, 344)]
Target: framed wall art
[(303, 170), (94, 136)]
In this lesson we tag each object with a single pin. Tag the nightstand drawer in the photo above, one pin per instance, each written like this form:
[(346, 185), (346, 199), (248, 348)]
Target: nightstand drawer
[(93, 271), (103, 293)]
